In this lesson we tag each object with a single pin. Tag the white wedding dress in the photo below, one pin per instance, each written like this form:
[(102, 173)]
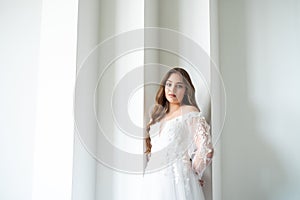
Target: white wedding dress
[(178, 158)]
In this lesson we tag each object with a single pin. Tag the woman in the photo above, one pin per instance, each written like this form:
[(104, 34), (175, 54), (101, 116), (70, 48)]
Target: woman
[(178, 143)]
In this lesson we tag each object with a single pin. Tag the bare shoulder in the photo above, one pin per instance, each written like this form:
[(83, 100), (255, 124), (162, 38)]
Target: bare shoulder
[(189, 108)]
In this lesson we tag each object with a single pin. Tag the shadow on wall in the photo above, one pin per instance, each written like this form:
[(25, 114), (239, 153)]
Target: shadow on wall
[(251, 169)]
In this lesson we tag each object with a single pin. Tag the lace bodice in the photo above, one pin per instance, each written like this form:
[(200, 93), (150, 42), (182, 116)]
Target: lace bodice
[(185, 138)]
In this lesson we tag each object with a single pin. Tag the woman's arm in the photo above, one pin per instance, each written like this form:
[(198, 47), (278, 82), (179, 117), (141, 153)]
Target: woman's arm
[(202, 150)]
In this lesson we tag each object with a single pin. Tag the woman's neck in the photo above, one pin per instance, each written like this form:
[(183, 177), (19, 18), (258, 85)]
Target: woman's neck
[(173, 108)]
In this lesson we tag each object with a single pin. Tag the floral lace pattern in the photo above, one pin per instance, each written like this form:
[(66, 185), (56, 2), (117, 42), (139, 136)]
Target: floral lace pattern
[(202, 144), (189, 141), (180, 149)]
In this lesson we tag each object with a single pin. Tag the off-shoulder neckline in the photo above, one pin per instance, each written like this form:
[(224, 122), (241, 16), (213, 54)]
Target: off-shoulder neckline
[(196, 112)]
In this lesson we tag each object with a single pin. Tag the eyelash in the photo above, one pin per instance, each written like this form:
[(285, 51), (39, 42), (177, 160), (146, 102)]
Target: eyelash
[(178, 86)]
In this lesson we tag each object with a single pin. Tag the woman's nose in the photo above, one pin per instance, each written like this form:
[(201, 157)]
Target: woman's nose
[(173, 89)]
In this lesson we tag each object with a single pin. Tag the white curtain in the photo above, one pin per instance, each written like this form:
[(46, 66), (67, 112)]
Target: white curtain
[(98, 23)]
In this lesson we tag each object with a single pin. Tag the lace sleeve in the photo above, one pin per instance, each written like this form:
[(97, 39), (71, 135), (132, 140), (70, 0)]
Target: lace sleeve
[(201, 149)]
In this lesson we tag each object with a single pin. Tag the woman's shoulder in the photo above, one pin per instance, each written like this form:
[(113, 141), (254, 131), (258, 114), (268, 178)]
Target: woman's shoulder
[(190, 112), (189, 108)]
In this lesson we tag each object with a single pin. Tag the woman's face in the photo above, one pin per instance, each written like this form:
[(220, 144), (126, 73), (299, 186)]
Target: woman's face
[(174, 88)]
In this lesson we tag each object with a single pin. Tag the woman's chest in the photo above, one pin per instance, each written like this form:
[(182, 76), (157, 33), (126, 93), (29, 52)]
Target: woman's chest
[(166, 134)]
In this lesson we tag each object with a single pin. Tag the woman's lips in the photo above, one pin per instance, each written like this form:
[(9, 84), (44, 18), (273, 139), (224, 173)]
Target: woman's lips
[(172, 95)]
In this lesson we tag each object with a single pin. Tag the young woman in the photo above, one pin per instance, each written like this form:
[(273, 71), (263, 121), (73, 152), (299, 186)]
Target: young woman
[(178, 143)]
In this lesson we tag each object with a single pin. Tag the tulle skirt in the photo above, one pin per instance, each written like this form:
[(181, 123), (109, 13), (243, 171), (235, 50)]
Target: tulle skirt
[(175, 182)]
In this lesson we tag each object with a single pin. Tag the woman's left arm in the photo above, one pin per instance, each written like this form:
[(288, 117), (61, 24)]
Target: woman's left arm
[(202, 153)]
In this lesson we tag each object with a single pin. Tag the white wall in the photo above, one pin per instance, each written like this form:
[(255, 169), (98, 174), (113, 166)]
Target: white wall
[(99, 20), (117, 17), (259, 51), (54, 133), (19, 50), (36, 106), (218, 103), (84, 166)]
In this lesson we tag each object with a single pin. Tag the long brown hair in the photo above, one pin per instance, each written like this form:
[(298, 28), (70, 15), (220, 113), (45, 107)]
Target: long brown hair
[(161, 107)]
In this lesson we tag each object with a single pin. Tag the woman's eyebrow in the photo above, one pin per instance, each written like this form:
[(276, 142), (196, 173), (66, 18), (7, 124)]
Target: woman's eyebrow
[(176, 83)]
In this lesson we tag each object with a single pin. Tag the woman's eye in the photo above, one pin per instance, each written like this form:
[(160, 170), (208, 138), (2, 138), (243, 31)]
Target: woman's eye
[(168, 84), (179, 86)]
